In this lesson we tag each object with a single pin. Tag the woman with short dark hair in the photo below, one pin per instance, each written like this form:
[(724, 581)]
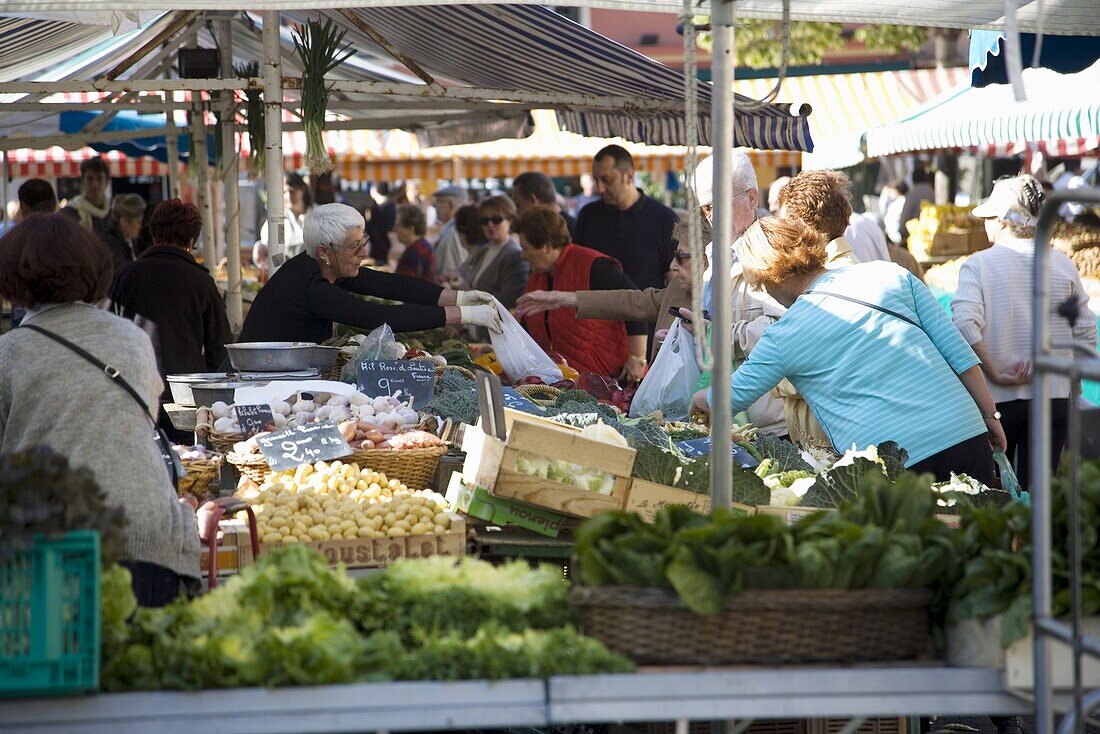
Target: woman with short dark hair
[(418, 259), (51, 395), (174, 298), (588, 345), (497, 267), (127, 220)]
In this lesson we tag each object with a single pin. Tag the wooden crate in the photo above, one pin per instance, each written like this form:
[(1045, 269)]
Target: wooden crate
[(380, 552), (645, 498), (979, 240), (789, 515), (950, 243), (491, 463)]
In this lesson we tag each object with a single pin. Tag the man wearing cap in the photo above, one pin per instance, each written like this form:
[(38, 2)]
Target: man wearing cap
[(993, 310), (753, 310), (449, 252)]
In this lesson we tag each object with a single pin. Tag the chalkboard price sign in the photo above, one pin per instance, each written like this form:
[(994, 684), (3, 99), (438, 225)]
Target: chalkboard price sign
[(292, 447), (697, 447), (253, 419), (385, 377), (515, 401)]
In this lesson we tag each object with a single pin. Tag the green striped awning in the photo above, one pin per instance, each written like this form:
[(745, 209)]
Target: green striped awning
[(1061, 111)]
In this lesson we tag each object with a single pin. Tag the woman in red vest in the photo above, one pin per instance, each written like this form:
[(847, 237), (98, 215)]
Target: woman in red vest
[(588, 345)]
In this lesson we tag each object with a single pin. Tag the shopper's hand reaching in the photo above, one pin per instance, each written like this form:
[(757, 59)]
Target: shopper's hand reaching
[(1017, 374), (486, 315), (700, 402), (996, 433), (539, 301)]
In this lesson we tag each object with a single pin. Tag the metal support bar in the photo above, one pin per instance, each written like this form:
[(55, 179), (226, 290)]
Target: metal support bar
[(231, 159), (389, 48), (1041, 531), (722, 20), (173, 166), (128, 85), (1089, 369), (106, 105), (1064, 632), (180, 23), (271, 70)]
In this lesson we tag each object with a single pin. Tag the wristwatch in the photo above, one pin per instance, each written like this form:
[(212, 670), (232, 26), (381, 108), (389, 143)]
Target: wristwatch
[(995, 415)]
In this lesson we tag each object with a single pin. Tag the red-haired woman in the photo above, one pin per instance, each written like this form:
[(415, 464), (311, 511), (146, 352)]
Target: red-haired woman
[(173, 298)]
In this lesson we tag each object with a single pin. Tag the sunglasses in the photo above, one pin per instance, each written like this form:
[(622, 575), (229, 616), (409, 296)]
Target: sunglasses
[(681, 257), (491, 220)]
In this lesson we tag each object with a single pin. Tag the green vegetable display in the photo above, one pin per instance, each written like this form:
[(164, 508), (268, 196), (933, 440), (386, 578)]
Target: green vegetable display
[(292, 620), (991, 573), (40, 493), (887, 537), (455, 398)]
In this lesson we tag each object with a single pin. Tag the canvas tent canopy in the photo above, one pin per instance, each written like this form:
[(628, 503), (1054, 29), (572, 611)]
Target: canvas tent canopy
[(1059, 17), (1060, 116)]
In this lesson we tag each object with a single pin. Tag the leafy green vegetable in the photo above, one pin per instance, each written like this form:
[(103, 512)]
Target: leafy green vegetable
[(41, 493), (784, 455), (846, 479), (455, 398), (292, 620)]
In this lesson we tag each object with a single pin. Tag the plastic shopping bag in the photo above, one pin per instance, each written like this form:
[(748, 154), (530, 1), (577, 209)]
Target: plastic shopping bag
[(380, 344), (1009, 482), (669, 384), (518, 354)]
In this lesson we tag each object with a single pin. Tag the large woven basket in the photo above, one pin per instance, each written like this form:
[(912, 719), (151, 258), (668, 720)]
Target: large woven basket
[(652, 626), (200, 475), (341, 359), (415, 468), (443, 369), (223, 442), (253, 466), (539, 394)]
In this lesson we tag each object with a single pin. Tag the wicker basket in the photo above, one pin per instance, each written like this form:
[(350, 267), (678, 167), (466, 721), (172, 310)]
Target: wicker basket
[(223, 443), (414, 468), (539, 394), (445, 368), (200, 475), (341, 359), (775, 626), (253, 466)]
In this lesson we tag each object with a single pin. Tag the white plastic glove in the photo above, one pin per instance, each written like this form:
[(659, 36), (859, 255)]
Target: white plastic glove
[(474, 298), (484, 315)]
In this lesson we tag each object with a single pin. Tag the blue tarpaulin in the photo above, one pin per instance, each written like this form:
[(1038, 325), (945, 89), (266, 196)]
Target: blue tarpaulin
[(1064, 54), (153, 147)]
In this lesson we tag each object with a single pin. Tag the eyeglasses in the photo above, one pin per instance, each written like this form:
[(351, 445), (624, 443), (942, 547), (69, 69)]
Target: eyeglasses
[(494, 220), (708, 208), (356, 248), (681, 257)]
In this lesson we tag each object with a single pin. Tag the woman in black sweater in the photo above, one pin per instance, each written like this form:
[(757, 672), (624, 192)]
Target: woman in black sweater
[(315, 289)]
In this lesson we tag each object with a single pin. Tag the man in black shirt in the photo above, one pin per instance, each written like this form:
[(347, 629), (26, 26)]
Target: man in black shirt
[(627, 225), (532, 189)]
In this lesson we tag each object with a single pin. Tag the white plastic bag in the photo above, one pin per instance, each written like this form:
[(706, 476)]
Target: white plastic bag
[(519, 354), (668, 385)]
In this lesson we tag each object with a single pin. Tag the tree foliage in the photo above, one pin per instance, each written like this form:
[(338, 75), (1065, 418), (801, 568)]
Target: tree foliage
[(758, 43)]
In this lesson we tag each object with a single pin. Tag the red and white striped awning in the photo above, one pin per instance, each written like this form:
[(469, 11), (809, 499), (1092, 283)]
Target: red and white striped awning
[(1050, 148), (57, 162)]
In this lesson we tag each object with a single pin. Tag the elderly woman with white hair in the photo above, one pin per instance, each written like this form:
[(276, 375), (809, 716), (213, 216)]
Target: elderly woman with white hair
[(318, 287), (870, 350)]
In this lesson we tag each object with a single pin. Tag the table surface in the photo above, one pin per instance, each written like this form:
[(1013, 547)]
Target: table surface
[(650, 695)]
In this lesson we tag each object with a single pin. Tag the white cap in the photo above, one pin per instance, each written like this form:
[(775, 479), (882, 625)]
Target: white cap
[(1016, 200), (742, 174)]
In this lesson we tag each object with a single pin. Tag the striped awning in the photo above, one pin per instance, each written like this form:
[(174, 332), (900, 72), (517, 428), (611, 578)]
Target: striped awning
[(530, 47), (844, 105), (1060, 110), (58, 162)]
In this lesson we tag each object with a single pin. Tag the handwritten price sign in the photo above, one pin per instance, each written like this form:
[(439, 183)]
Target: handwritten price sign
[(386, 377), (515, 401), (292, 447)]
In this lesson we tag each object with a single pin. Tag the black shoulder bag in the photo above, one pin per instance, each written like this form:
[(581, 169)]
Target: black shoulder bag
[(873, 306), (164, 445)]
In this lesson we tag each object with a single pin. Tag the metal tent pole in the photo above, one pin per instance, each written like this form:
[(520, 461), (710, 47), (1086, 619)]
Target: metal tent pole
[(234, 305), (271, 72), (173, 152), (721, 460)]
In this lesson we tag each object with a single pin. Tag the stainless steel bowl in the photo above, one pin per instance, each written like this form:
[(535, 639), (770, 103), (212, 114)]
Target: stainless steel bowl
[(181, 385), (271, 356), (208, 393), (324, 359)]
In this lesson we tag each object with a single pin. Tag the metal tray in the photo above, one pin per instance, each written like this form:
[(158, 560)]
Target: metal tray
[(208, 393), (271, 356), (181, 385)]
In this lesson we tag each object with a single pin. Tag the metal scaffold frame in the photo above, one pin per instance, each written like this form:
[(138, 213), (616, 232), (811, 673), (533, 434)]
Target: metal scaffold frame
[(1076, 368)]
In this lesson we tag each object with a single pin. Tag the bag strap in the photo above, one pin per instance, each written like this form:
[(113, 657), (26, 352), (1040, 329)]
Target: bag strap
[(108, 370), (874, 306)]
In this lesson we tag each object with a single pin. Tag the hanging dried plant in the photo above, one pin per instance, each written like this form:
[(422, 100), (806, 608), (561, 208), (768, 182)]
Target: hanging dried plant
[(320, 51), (254, 117)]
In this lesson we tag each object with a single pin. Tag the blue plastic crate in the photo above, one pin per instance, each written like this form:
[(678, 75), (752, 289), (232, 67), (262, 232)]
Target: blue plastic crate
[(49, 617)]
